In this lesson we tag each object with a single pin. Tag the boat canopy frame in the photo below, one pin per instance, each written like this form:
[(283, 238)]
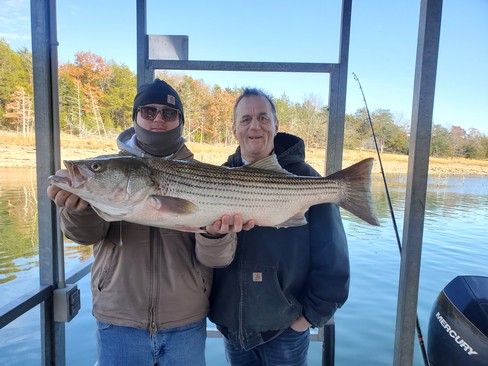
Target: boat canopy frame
[(51, 247)]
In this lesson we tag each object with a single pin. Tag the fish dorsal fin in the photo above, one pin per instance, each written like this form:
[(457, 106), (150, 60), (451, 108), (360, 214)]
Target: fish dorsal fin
[(269, 163)]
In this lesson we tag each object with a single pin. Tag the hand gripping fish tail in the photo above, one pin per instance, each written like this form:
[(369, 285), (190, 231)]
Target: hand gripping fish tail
[(356, 194)]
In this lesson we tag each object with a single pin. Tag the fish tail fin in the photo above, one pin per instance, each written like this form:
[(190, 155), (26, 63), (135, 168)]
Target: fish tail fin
[(356, 196)]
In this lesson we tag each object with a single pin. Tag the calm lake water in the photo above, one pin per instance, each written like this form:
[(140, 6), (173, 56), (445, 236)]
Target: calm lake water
[(455, 243)]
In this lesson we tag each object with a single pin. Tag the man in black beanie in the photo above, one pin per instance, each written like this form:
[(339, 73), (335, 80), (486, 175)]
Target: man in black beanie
[(150, 286), (155, 134)]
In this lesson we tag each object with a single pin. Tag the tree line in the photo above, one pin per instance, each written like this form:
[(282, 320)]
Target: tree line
[(96, 96)]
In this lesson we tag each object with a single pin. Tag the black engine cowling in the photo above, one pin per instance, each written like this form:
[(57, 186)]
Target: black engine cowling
[(458, 324)]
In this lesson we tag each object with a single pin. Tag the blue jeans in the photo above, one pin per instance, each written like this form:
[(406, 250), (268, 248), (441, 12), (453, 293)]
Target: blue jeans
[(180, 346), (288, 349)]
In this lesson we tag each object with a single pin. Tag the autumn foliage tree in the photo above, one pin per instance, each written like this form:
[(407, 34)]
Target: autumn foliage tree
[(15, 88), (89, 80), (195, 96), (118, 97), (19, 111)]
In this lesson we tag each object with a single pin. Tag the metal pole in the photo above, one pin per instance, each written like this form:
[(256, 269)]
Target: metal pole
[(328, 344), (45, 76), (418, 167), (145, 74), (337, 96), (335, 141)]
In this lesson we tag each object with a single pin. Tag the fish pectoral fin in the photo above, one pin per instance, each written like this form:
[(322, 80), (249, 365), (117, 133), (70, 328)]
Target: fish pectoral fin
[(297, 220), (174, 205)]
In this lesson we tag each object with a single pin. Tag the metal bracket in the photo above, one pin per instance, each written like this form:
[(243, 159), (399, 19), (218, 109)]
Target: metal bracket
[(67, 303)]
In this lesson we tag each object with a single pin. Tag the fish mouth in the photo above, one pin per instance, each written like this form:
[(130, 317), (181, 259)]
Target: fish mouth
[(75, 173), (52, 179)]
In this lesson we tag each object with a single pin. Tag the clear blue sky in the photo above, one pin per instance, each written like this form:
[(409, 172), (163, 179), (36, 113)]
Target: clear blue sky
[(382, 46)]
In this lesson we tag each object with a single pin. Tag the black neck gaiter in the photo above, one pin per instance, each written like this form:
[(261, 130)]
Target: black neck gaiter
[(159, 143)]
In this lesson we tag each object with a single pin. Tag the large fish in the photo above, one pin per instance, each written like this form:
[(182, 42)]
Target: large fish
[(188, 195)]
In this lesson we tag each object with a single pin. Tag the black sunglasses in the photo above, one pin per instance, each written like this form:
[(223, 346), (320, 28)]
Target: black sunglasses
[(150, 113)]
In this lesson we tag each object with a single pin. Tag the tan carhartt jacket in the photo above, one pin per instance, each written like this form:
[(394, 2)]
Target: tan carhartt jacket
[(146, 277)]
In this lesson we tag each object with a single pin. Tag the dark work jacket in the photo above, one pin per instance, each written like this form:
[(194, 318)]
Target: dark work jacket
[(281, 274)]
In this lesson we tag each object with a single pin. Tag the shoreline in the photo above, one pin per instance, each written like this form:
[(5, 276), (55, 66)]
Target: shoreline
[(25, 157)]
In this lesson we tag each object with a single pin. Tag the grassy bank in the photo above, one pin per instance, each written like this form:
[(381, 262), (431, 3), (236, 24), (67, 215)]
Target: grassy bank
[(17, 151)]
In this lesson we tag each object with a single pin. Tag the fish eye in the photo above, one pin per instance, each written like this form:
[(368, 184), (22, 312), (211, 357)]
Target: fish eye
[(95, 166)]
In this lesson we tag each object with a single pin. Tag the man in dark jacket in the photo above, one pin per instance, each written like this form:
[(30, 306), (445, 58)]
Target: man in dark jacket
[(282, 281)]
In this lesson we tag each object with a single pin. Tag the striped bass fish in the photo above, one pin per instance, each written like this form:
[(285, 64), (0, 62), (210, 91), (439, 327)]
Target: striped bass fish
[(189, 195)]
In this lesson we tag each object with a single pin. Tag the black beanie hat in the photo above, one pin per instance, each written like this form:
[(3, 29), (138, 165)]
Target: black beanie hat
[(157, 92)]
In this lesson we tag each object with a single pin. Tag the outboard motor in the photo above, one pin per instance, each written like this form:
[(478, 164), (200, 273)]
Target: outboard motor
[(458, 324)]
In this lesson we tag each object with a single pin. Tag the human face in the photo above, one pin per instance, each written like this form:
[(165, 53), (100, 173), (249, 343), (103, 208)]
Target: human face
[(255, 127), (158, 124)]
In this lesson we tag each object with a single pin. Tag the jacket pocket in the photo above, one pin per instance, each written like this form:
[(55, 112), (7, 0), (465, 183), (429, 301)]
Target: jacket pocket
[(108, 266), (260, 285), (203, 274), (206, 275)]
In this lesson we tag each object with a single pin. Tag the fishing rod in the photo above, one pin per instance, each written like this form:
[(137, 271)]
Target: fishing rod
[(392, 213)]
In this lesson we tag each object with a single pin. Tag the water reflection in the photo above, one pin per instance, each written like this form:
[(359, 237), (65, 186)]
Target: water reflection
[(19, 247), (18, 222)]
